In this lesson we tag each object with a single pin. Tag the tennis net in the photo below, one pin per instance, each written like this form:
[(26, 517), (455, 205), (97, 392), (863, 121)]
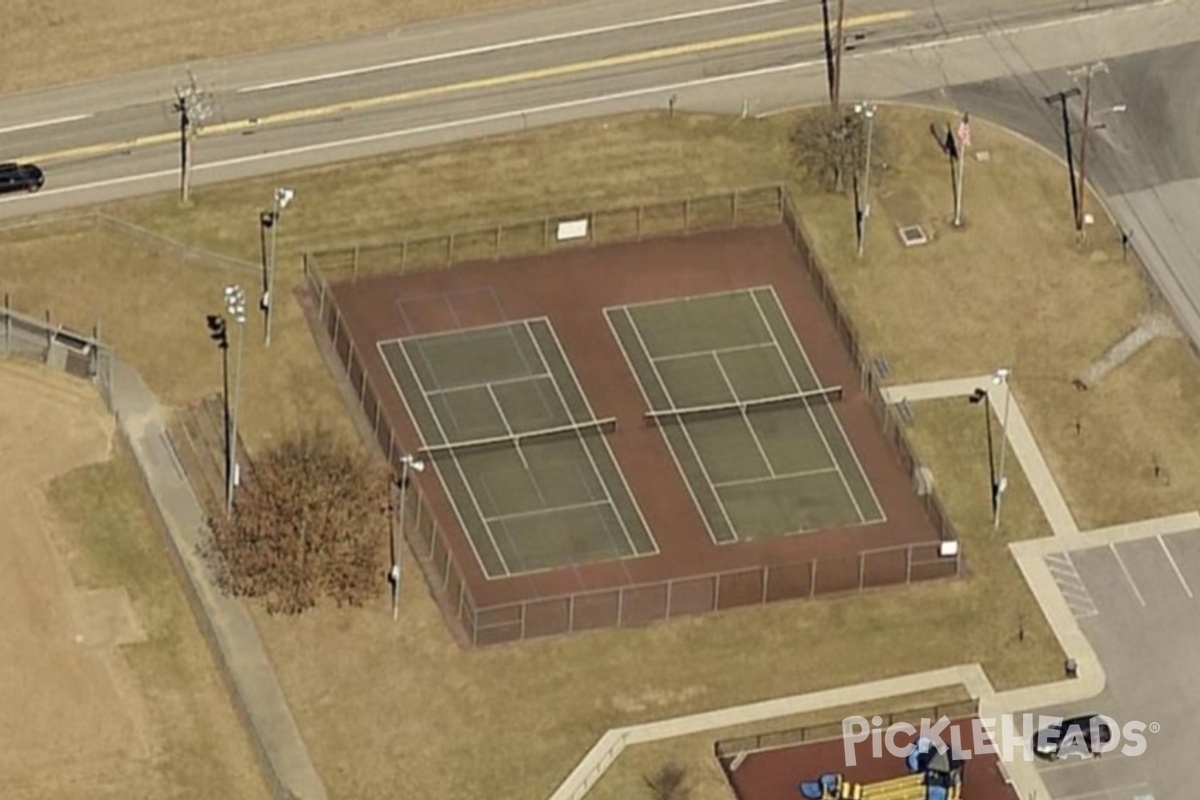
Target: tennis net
[(575, 429), (823, 396)]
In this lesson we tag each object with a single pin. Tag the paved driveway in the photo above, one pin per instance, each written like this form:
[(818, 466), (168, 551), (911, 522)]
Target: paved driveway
[(1138, 604)]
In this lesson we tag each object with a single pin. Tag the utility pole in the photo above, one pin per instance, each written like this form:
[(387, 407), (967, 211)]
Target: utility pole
[(1061, 98), (194, 107), (839, 45), (1087, 73), (218, 333)]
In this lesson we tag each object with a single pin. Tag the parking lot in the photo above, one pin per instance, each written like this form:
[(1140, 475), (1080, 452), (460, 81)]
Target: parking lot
[(1137, 603)]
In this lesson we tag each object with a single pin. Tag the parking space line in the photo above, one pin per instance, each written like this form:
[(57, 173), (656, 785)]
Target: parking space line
[(1175, 566), (1113, 547)]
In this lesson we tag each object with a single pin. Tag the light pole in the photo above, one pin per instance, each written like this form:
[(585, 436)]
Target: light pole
[(235, 304), (1000, 378), (271, 219), (980, 396), (407, 463), (218, 333), (868, 111)]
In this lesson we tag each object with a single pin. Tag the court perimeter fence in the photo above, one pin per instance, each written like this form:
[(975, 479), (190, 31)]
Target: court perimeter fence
[(731, 751), (42, 340), (630, 604)]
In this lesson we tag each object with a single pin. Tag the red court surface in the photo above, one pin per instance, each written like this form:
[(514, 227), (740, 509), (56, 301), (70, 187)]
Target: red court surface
[(571, 288), (776, 774)]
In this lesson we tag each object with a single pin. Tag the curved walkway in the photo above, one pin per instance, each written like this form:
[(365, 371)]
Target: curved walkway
[(1030, 558)]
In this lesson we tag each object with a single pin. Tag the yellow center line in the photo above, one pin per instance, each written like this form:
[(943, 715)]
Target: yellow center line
[(465, 86)]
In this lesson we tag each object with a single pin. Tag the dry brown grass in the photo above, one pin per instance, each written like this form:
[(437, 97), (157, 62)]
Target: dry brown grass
[(116, 695), (58, 41), (1013, 288), (380, 703)]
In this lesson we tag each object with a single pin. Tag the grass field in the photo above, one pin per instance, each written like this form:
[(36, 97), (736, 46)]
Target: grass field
[(108, 687), (511, 721), (73, 40)]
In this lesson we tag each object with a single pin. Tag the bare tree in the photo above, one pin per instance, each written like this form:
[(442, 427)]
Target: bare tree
[(194, 108), (668, 782), (831, 148), (310, 522)]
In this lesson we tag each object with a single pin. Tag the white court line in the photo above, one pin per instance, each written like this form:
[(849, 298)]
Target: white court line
[(1113, 547), (512, 45), (762, 453), (1175, 567), (537, 346), (784, 476), (46, 123), (547, 510), (799, 388)]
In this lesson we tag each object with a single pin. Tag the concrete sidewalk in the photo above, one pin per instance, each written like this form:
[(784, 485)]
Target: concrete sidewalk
[(226, 623), (1030, 558)]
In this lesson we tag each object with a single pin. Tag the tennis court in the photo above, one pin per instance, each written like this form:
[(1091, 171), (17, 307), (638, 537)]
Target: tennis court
[(527, 464), (753, 432)]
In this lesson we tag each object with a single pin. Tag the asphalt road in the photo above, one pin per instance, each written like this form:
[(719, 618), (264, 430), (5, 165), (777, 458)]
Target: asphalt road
[(463, 78), (1135, 601)]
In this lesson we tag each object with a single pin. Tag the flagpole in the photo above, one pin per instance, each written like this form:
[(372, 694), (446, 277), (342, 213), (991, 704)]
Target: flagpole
[(964, 138)]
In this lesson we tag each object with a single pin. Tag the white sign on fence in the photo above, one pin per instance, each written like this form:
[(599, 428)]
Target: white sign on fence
[(572, 229)]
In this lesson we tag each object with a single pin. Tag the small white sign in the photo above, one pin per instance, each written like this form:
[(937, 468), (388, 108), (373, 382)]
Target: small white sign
[(572, 229), (948, 548)]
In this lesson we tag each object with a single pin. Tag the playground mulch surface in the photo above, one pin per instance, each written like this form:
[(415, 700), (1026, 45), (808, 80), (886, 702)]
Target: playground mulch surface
[(572, 288), (775, 774)]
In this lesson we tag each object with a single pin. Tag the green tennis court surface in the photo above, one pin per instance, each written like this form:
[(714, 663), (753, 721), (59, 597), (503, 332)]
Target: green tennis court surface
[(754, 434), (514, 441)]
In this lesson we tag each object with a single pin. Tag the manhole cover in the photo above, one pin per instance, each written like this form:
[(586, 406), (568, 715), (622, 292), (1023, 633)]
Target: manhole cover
[(913, 235)]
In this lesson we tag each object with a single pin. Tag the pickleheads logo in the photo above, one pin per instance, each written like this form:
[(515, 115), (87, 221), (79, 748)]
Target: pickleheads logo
[(1044, 736)]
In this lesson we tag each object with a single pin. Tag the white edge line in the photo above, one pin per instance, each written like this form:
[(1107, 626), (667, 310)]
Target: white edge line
[(512, 45), (1113, 547), (1175, 566), (420, 129), (45, 123)]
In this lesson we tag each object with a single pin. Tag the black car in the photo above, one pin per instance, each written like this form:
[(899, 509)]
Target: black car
[(20, 178), (1078, 736)]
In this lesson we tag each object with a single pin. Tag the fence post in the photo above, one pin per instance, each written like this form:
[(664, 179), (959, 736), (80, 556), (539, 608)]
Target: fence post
[(862, 568), (812, 578), (545, 233), (449, 249), (637, 225), (496, 255), (670, 585), (687, 215), (908, 564), (735, 207), (7, 323), (766, 584)]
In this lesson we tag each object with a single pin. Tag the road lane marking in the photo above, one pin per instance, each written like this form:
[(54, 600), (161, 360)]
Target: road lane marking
[(415, 131), (512, 45), (1113, 547), (44, 123), (1175, 567), (478, 83)]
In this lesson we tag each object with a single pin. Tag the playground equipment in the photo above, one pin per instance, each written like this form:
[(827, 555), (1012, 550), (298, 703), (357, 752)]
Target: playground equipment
[(932, 775)]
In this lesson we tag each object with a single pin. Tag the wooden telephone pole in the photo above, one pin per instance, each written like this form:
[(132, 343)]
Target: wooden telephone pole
[(194, 107), (1087, 73)]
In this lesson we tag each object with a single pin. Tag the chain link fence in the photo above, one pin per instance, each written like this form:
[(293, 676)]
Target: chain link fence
[(42, 340), (638, 604)]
